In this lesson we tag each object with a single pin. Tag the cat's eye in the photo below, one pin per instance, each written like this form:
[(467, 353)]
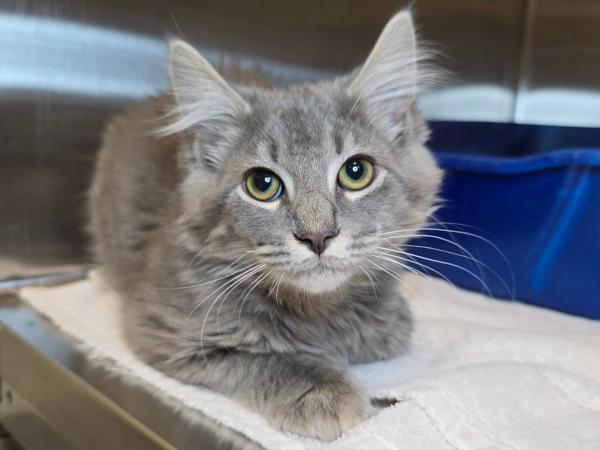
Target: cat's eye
[(263, 185), (356, 174)]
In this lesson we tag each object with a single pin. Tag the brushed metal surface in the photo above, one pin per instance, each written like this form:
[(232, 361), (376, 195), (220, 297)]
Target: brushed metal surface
[(62, 398), (560, 81), (75, 412), (32, 428), (480, 44), (65, 67)]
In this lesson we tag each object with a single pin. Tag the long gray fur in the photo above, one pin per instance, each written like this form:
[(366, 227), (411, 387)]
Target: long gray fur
[(217, 290)]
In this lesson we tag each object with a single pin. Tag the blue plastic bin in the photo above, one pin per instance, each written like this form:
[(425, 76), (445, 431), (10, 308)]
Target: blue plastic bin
[(534, 193)]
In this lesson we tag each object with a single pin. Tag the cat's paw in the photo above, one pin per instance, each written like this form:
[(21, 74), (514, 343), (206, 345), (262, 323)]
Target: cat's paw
[(327, 409)]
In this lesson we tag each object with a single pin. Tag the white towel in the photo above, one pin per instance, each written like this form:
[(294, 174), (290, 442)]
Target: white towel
[(481, 373)]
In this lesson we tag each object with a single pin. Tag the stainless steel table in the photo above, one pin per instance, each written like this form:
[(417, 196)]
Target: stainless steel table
[(54, 397)]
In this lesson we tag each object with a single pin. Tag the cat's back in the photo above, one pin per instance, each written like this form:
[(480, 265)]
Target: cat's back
[(133, 188)]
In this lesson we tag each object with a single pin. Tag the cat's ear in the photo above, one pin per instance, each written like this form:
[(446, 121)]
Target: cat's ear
[(386, 84), (204, 101)]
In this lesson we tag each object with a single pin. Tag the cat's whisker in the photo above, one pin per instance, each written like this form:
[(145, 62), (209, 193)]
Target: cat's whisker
[(277, 288), (224, 286), (460, 255), (505, 259), (393, 274), (231, 290), (381, 255), (454, 224), (225, 292), (462, 248), (418, 272), (274, 284), (195, 259), (272, 287), (220, 288), (193, 286), (478, 263), (370, 280), (253, 286), (451, 232), (411, 257), (234, 263), (405, 285), (355, 104), (248, 288), (433, 236)]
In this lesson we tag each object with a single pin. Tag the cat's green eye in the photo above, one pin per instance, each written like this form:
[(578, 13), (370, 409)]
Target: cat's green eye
[(356, 174), (263, 185)]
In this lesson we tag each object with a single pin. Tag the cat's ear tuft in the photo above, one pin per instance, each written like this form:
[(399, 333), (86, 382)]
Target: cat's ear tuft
[(386, 84), (205, 102)]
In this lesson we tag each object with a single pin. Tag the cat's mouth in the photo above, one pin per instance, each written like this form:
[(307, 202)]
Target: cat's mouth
[(320, 280), (311, 272), (324, 275)]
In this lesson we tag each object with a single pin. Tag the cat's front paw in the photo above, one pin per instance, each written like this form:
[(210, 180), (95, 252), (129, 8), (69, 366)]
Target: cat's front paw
[(327, 409)]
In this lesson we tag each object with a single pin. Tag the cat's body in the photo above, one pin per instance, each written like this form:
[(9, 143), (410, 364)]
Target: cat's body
[(265, 301)]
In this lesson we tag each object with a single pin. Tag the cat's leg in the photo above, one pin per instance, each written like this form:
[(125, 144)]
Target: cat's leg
[(296, 393)]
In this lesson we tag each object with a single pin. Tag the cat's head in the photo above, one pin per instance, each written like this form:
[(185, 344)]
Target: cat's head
[(306, 180)]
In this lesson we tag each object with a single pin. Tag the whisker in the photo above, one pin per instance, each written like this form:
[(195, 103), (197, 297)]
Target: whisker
[(277, 289), (232, 289), (394, 275), (473, 235), (253, 286), (464, 233), (404, 284), (192, 286), (430, 269), (431, 236), (214, 303), (381, 255), (370, 280), (478, 263), (223, 286), (446, 263)]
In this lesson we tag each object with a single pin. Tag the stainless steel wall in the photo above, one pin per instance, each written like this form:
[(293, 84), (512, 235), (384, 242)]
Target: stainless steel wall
[(66, 66)]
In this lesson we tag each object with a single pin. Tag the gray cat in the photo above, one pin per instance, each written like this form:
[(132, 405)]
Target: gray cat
[(243, 234)]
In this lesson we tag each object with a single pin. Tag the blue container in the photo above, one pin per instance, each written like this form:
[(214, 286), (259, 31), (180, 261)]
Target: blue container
[(525, 202)]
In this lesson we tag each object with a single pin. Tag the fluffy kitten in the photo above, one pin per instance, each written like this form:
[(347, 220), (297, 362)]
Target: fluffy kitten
[(243, 235)]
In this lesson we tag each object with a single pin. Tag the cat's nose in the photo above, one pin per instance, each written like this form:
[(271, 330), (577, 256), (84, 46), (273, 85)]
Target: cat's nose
[(317, 242)]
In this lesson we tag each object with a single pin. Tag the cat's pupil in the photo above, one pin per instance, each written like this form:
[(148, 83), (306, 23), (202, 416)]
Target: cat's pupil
[(355, 169), (262, 181)]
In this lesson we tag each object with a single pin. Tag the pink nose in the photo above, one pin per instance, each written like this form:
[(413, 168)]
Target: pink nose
[(317, 242)]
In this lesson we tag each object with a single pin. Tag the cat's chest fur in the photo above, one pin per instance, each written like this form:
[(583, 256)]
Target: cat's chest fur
[(351, 333), (356, 325)]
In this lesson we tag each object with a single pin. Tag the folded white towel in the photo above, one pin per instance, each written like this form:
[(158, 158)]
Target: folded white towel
[(481, 373)]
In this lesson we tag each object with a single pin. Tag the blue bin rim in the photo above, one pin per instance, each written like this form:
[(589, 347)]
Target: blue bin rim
[(569, 157)]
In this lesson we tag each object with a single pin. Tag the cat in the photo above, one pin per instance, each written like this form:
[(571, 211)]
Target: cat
[(244, 227)]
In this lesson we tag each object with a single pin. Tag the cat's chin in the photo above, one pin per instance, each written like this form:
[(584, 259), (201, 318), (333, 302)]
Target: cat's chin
[(320, 282)]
